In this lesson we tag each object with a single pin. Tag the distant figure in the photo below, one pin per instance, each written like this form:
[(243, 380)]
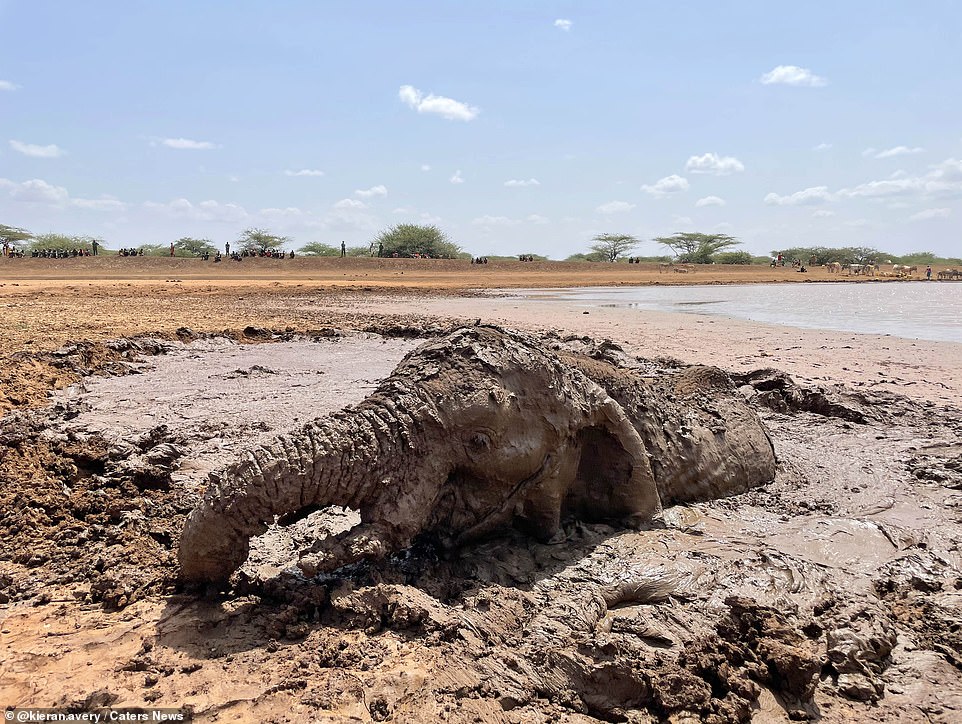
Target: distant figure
[(95, 246), (291, 255), (217, 257), (928, 272), (380, 250), (171, 248), (343, 250), (781, 260), (227, 249), (774, 262)]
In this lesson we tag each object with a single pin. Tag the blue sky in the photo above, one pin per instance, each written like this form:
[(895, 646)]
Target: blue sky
[(514, 126)]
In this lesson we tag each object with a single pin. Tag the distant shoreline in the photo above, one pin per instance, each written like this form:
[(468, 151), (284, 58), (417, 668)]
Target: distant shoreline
[(411, 274)]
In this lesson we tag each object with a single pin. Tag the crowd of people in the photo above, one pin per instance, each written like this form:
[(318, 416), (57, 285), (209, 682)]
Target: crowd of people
[(479, 260), (57, 253), (247, 253)]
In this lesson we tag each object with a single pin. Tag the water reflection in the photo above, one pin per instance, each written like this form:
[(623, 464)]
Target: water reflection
[(916, 310)]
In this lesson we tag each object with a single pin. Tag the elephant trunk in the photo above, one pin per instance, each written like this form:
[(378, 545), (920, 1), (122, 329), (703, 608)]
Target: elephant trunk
[(330, 461)]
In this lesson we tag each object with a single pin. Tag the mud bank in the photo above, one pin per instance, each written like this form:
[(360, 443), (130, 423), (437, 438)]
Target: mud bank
[(831, 594)]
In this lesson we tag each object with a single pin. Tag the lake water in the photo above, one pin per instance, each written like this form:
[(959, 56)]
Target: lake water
[(918, 310)]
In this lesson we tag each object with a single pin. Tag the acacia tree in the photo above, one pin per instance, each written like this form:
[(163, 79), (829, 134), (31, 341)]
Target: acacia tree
[(14, 236), (64, 241), (411, 239), (194, 247), (260, 240), (696, 248), (318, 248), (611, 246)]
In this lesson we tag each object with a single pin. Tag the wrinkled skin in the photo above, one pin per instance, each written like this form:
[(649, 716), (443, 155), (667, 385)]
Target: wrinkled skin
[(474, 431)]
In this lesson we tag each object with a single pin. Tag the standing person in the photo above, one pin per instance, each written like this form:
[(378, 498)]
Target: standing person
[(171, 248), (94, 247), (343, 250), (928, 272), (227, 249), (380, 249)]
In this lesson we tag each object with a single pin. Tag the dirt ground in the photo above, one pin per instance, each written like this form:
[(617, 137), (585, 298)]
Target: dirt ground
[(832, 594)]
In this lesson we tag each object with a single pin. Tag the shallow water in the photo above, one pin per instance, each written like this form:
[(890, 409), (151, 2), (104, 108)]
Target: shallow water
[(931, 311)]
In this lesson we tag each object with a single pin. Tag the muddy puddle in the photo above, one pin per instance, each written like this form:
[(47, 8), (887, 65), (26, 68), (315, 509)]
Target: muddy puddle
[(217, 397), (831, 594)]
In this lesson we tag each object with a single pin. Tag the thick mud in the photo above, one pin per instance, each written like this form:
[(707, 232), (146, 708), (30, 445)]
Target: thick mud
[(832, 594)]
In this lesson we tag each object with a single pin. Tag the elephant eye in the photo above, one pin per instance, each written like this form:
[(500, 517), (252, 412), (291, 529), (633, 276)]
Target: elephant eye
[(480, 441)]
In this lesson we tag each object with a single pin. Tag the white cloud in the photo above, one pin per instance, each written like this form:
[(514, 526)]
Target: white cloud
[(710, 201), (425, 167), (714, 164), (521, 182), (379, 190), (891, 152), (807, 197), (948, 170), (38, 191), (104, 203), (493, 221), (931, 214), (6, 85), (537, 219), (563, 24), (668, 185), (279, 215), (942, 180), (614, 207), (304, 172), (822, 147), (350, 204), (402, 210), (187, 144), (683, 221), (792, 75), (209, 210), (456, 178), (823, 213), (428, 218), (30, 149), (439, 105)]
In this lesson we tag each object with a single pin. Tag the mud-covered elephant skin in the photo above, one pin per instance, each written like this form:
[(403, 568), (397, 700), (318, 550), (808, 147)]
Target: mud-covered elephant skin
[(472, 431)]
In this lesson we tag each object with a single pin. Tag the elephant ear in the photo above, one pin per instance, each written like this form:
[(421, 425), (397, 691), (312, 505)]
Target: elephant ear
[(614, 478)]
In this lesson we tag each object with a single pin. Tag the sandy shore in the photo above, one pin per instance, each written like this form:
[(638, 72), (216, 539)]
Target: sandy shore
[(849, 560)]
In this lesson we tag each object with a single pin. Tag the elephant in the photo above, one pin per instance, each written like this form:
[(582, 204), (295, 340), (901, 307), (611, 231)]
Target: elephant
[(473, 431)]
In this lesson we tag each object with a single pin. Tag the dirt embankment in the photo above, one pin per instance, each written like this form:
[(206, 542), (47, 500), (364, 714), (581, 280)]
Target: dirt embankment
[(832, 593)]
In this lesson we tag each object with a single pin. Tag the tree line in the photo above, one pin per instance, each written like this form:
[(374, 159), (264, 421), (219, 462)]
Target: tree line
[(416, 240)]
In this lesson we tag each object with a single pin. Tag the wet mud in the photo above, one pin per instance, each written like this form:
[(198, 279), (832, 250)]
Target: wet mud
[(832, 594)]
